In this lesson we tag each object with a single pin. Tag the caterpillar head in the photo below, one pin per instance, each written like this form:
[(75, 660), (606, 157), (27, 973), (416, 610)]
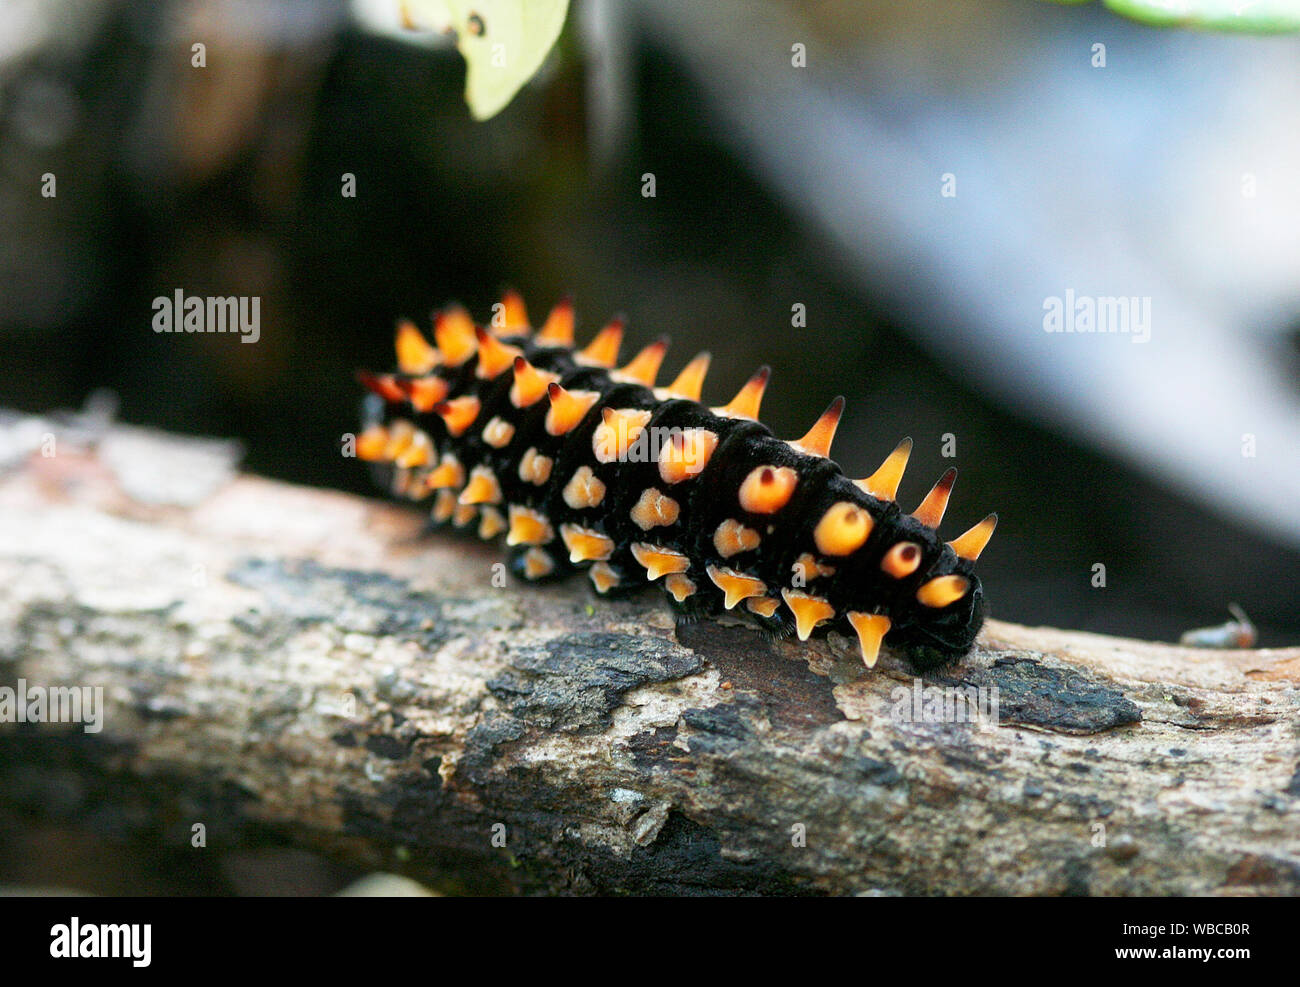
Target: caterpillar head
[(883, 575), (934, 635)]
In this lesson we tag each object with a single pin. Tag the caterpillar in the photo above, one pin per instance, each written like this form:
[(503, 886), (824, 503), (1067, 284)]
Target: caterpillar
[(581, 463)]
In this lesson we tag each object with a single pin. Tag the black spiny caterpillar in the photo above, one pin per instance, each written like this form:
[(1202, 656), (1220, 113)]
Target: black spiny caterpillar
[(581, 464)]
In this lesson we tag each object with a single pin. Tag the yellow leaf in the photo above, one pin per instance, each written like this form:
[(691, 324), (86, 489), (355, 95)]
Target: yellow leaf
[(504, 42)]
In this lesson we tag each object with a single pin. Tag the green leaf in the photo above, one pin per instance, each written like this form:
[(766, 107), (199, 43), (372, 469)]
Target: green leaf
[(504, 42)]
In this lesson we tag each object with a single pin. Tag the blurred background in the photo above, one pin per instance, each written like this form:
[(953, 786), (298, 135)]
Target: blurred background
[(922, 184), (918, 179)]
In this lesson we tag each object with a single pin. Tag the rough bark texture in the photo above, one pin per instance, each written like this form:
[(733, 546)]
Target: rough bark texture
[(308, 667)]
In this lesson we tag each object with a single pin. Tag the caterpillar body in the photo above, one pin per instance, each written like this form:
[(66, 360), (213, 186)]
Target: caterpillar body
[(579, 464)]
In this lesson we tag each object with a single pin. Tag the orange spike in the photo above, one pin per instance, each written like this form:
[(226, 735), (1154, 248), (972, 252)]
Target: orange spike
[(735, 586), (483, 488), (585, 545), (943, 590), (603, 350), (458, 413), (400, 435), (528, 527), (883, 483), (567, 408), (424, 392), (490, 524), (645, 365), (415, 354), (558, 330), (449, 473), (746, 403), (690, 382), (679, 586), (530, 384), (930, 513), (818, 440), (871, 629), (808, 610), (969, 545), (444, 506), (371, 443), (419, 453), (494, 356), (604, 577), (618, 431), (537, 564), (453, 330), (512, 319), (385, 385), (686, 454), (659, 561)]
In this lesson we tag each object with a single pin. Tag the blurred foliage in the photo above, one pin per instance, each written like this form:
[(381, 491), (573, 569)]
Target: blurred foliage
[(1248, 16)]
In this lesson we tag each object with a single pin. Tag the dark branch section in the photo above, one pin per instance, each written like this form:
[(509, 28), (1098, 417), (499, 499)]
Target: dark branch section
[(298, 672)]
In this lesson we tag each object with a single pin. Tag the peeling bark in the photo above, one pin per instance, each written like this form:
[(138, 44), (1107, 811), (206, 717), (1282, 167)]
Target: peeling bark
[(303, 666)]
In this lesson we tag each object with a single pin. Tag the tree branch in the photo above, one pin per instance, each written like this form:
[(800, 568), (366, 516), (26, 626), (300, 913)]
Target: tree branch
[(307, 666)]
